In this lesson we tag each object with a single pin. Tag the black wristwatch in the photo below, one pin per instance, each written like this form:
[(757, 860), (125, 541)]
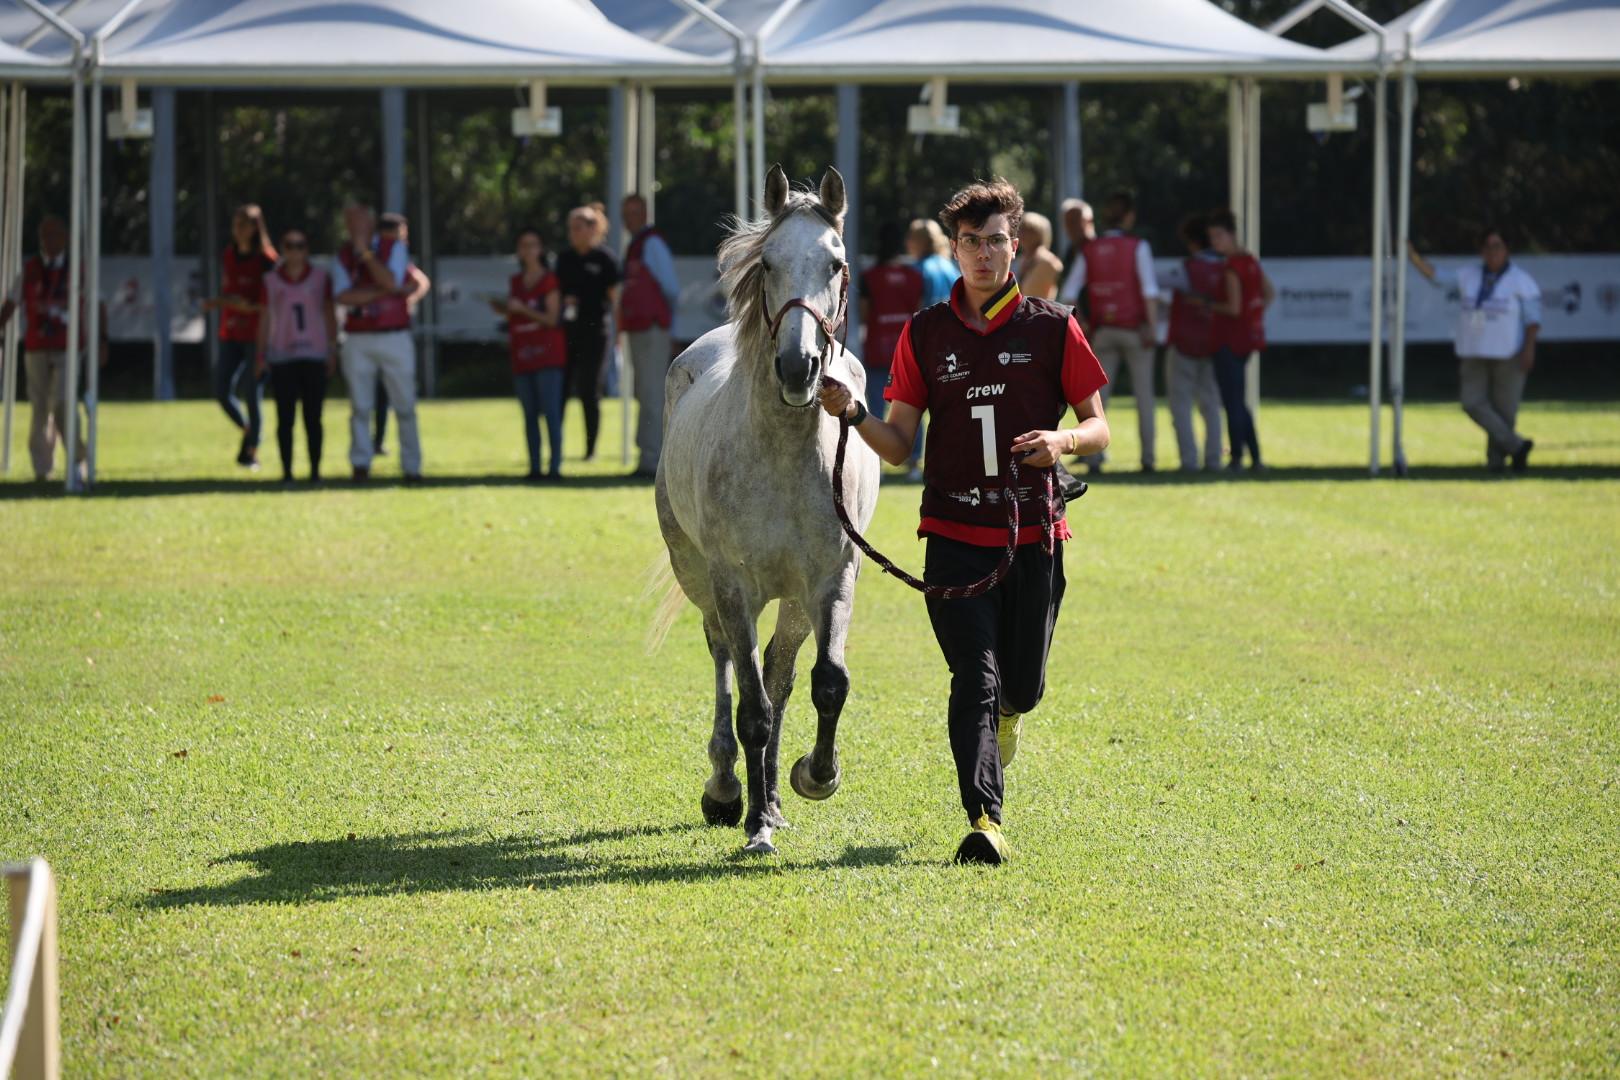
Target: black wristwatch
[(861, 413)]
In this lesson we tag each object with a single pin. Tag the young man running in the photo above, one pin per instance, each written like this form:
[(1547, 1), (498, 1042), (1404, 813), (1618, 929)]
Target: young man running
[(995, 370)]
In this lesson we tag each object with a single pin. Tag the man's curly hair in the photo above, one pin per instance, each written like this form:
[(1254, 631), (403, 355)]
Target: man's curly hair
[(977, 202)]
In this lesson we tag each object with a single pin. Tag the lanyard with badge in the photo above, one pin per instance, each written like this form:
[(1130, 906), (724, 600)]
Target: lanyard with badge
[(1488, 280)]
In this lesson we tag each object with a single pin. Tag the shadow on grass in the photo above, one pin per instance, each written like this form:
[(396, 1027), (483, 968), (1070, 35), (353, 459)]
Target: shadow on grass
[(1291, 474), (312, 871), (132, 489)]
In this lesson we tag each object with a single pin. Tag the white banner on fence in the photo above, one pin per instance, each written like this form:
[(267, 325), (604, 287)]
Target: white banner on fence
[(1319, 301)]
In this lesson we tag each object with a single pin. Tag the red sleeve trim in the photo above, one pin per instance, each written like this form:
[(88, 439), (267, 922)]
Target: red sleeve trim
[(1082, 374), (905, 377)]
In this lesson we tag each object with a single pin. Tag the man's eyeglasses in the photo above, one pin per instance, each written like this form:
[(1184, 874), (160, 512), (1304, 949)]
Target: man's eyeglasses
[(995, 241)]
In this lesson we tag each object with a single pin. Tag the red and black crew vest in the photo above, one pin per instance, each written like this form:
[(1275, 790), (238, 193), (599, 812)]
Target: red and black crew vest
[(1192, 326), (892, 292), (242, 275), (384, 314), (1114, 285), (534, 347), (642, 304), (1246, 331), (984, 390), (45, 300)]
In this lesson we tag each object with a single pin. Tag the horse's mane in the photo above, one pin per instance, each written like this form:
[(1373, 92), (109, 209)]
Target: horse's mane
[(741, 256)]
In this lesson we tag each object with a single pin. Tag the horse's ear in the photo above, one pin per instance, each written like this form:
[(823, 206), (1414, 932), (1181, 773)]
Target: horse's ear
[(776, 190), (832, 192)]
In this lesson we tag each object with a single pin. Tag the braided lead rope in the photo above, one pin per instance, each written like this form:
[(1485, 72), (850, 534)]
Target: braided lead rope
[(944, 592)]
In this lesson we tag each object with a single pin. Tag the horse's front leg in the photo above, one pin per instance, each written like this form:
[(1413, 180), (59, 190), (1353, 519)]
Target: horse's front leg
[(738, 612), (817, 774), (792, 627)]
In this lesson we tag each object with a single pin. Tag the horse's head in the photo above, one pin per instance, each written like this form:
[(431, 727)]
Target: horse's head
[(804, 281)]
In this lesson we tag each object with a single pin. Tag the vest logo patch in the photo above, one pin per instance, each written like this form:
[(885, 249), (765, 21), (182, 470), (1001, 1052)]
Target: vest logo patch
[(971, 496), (990, 390), (951, 370)]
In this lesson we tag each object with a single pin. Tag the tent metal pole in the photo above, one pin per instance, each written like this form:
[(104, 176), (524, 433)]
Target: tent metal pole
[(93, 275), (647, 150), (621, 152), (1074, 182), (1234, 145), (392, 106), (76, 249), (1251, 216), (160, 229), (739, 113), (758, 178), (1375, 349), (11, 221), (210, 231), (848, 157), (424, 239), (1403, 230), (8, 193)]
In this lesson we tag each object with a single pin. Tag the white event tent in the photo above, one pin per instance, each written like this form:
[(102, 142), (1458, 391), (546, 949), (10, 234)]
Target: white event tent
[(1476, 39), (388, 44)]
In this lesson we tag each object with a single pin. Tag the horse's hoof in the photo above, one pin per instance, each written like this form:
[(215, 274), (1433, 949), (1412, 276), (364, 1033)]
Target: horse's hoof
[(760, 844), (810, 788), (716, 812)]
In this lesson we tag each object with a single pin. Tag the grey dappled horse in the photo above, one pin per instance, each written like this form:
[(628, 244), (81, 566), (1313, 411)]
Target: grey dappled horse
[(744, 494)]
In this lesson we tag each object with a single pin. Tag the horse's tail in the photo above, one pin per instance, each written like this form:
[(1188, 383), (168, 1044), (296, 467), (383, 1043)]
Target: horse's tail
[(661, 584)]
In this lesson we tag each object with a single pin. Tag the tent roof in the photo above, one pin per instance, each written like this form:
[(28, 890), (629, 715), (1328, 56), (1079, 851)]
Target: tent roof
[(371, 42), (888, 40), (18, 63), (1489, 37), (665, 22)]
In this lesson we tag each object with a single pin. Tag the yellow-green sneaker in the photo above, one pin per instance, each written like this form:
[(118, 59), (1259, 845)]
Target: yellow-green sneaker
[(1007, 728), (984, 845)]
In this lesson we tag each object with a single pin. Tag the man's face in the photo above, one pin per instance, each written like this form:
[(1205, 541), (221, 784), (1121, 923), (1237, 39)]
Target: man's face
[(635, 215), (52, 238), (1495, 253), (1079, 225), (1222, 240), (358, 221), (581, 233), (986, 268)]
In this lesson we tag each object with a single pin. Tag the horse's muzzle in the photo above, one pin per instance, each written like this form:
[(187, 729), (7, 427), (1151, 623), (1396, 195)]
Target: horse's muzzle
[(800, 382)]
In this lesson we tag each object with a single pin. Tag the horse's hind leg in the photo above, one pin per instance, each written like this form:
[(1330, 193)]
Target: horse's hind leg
[(792, 627), (817, 774), (722, 794)]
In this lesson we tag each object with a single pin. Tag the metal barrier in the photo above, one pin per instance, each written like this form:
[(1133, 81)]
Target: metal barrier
[(30, 1024)]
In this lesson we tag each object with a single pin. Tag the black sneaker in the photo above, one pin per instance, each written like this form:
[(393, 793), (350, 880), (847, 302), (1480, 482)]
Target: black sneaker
[(244, 453), (1521, 456), (361, 474), (413, 479)]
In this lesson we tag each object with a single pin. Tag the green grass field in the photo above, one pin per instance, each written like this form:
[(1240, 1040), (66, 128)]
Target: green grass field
[(380, 781)]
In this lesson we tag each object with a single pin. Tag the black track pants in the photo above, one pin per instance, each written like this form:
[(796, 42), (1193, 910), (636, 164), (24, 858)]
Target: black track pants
[(995, 646)]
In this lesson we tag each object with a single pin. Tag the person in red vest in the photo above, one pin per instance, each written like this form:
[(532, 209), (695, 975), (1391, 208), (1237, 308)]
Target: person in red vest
[(1116, 270), (891, 292), (533, 313), (242, 267), (1202, 280), (647, 300), (42, 293), (417, 286), (369, 278), (1240, 329), (996, 371)]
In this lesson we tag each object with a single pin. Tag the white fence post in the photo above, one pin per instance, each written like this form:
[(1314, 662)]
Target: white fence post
[(39, 1042)]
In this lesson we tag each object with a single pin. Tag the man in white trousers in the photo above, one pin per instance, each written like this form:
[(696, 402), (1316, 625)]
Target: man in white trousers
[(370, 279), (647, 302)]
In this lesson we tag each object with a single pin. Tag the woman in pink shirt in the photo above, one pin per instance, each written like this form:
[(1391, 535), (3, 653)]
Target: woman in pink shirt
[(298, 344)]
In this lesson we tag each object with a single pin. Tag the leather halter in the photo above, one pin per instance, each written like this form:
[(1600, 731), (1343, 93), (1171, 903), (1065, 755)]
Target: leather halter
[(828, 325)]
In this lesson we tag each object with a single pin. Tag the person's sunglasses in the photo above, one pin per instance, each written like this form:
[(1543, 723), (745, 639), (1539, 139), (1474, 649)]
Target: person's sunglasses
[(295, 245)]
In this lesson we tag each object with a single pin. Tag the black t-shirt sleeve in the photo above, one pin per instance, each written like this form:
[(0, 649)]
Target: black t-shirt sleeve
[(610, 270)]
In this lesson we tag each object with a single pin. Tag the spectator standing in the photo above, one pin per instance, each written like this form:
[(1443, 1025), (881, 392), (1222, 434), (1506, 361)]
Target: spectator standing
[(43, 293), (367, 277), (249, 257), (890, 293), (1496, 345), (589, 276), (417, 285), (1117, 269), (539, 349), (298, 347), (1240, 329), (929, 247), (1039, 271), (1079, 229), (646, 312), (1202, 279)]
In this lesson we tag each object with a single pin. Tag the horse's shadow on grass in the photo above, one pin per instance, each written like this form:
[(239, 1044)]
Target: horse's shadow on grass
[(308, 871)]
